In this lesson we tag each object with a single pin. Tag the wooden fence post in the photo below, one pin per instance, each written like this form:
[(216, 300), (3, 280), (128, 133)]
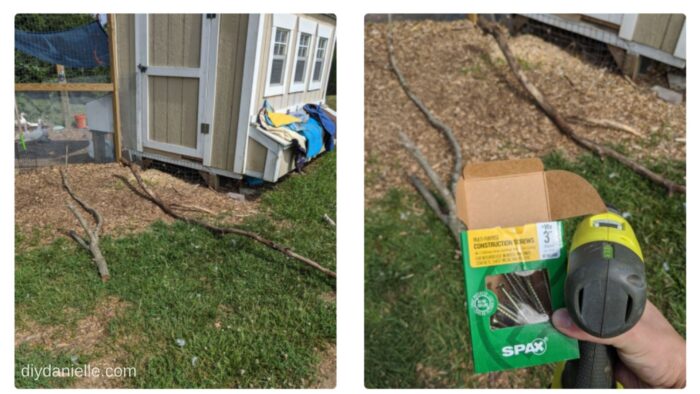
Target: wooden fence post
[(115, 90), (65, 100)]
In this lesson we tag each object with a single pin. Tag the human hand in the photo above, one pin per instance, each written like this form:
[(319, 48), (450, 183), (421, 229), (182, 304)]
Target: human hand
[(651, 354)]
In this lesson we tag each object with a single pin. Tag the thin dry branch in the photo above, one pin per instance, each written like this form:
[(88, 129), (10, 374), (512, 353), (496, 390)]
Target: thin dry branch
[(450, 221), (448, 215), (95, 215), (196, 208), (92, 243), (146, 193), (565, 127), (411, 147), (430, 117), (607, 123), (328, 220)]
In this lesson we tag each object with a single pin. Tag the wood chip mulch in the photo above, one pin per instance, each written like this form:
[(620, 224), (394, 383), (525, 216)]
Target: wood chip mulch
[(462, 77), (40, 202)]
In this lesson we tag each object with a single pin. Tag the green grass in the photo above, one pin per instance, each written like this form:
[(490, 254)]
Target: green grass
[(27, 358), (251, 316), (416, 331)]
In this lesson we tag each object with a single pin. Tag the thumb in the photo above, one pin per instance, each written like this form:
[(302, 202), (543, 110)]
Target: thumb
[(562, 321)]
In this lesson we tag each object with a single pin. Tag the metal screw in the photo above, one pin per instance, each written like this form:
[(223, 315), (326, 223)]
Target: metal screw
[(510, 298), (509, 313), (497, 323), (545, 279), (518, 282), (516, 289), (531, 289)]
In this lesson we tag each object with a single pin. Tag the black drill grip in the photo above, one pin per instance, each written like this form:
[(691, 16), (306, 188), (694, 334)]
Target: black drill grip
[(594, 369)]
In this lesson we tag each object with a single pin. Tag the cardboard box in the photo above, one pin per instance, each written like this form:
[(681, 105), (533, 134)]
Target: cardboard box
[(514, 258)]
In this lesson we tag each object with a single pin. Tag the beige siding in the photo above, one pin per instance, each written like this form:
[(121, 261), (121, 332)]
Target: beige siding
[(286, 163), (232, 42), (174, 39), (660, 31), (290, 99), (126, 78), (673, 32), (256, 157), (173, 106)]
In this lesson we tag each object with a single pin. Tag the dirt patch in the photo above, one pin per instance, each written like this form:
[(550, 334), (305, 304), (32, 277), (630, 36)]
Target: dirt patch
[(40, 201), (86, 335), (430, 377), (328, 297), (89, 337), (461, 76), (326, 369)]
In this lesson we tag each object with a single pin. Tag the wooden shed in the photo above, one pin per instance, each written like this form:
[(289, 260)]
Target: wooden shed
[(191, 85)]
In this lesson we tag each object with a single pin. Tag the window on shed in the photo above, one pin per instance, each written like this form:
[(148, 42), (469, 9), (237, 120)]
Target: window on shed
[(302, 55), (279, 56), (320, 56)]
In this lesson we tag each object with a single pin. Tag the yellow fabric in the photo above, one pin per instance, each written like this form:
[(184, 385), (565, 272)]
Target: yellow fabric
[(279, 119)]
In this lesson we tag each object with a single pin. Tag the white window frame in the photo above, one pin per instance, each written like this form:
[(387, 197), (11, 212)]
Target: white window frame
[(305, 27), (324, 31), (279, 21)]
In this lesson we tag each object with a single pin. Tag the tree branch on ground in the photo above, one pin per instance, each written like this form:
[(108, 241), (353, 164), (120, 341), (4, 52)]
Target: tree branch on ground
[(495, 30), (447, 211), (429, 116), (145, 192), (92, 242), (194, 208), (607, 123), (328, 220)]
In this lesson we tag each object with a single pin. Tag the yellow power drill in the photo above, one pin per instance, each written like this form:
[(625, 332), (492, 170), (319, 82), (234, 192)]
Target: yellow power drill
[(605, 294)]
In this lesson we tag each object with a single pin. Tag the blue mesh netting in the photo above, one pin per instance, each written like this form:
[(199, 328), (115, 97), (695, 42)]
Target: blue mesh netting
[(83, 47)]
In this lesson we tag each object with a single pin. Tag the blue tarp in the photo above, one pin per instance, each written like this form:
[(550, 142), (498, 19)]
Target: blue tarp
[(83, 47), (317, 113), (314, 137)]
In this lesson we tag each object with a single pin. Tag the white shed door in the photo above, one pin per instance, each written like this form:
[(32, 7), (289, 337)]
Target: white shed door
[(173, 82)]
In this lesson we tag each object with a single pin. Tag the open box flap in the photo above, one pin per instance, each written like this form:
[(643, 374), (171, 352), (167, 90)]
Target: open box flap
[(517, 192), (502, 168), (570, 195)]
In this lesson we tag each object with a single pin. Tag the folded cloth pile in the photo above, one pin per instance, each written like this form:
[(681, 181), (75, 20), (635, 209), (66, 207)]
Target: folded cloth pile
[(308, 131), (328, 124)]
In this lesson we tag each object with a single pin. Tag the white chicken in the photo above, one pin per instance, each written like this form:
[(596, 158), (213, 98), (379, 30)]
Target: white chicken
[(32, 131)]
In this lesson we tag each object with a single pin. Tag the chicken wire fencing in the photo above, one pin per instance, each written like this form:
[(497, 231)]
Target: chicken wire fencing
[(62, 127), (53, 128), (590, 50)]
